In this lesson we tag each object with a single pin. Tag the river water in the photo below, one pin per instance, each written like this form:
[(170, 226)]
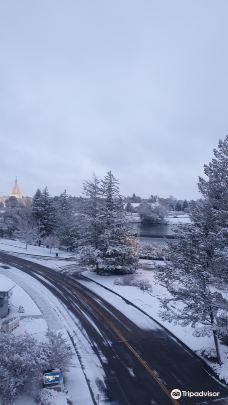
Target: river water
[(154, 233)]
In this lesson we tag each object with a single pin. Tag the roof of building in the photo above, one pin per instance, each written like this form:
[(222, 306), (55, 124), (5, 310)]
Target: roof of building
[(6, 284)]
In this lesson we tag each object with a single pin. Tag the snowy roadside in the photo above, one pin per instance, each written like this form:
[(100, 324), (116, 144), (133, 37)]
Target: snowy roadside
[(148, 301), (15, 246), (42, 310), (37, 254), (128, 287)]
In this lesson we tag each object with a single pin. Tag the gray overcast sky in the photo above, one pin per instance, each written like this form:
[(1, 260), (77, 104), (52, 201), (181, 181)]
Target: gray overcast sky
[(138, 87)]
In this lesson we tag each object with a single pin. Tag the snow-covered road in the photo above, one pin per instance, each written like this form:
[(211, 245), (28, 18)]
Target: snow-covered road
[(128, 353)]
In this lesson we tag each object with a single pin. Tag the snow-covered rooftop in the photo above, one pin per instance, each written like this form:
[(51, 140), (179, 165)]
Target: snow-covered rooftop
[(6, 284)]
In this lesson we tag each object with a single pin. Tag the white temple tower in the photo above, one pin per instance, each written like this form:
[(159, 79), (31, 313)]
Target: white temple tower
[(16, 192)]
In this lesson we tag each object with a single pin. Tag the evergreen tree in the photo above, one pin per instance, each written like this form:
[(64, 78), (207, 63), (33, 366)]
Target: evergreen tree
[(92, 211), (48, 220), (189, 276), (197, 270), (119, 250), (43, 211), (106, 239), (37, 211), (178, 206), (37, 205), (214, 189), (129, 207), (185, 205), (66, 222)]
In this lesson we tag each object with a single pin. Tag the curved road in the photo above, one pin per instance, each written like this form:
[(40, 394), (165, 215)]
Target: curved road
[(143, 365)]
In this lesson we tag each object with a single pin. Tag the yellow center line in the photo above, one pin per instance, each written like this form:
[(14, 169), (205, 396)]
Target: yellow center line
[(133, 351)]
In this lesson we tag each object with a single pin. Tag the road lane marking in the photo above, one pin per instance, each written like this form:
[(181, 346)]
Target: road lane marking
[(125, 342)]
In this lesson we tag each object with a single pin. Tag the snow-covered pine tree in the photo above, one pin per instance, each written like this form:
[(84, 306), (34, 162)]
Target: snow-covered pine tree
[(48, 219), (119, 250), (214, 189), (92, 210), (189, 277), (91, 222), (197, 269), (67, 229), (37, 205), (106, 242)]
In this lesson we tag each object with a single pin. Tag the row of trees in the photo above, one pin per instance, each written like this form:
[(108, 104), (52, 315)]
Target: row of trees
[(196, 274), (169, 203), (95, 225)]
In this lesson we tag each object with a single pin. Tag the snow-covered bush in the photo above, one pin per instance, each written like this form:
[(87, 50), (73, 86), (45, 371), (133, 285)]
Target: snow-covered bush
[(149, 251), (209, 353), (88, 256), (51, 397), (144, 285), (47, 397), (152, 214)]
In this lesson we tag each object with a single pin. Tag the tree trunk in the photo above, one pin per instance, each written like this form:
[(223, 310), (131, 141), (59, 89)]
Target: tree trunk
[(215, 336)]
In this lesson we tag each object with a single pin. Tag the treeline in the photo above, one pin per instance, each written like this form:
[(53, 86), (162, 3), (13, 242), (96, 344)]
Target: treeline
[(169, 204), (95, 225)]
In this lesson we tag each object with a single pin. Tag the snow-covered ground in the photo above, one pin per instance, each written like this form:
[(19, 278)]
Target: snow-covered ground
[(10, 245), (37, 254), (31, 319), (127, 286), (43, 310), (178, 219), (148, 301)]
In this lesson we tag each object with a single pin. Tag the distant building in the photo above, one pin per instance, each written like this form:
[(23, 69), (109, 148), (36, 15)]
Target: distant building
[(16, 193), (6, 287)]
